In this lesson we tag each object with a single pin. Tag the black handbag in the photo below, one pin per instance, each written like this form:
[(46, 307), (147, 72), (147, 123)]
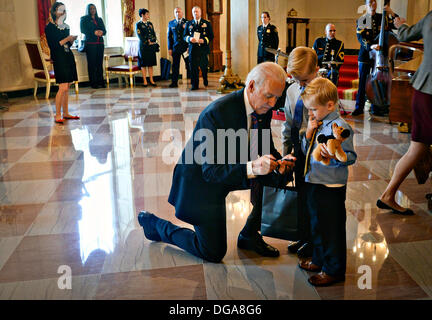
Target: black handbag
[(280, 213), (155, 47)]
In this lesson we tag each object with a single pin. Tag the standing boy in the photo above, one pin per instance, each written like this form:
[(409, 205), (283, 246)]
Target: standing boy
[(325, 185)]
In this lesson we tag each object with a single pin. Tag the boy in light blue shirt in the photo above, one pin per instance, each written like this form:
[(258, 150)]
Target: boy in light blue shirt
[(325, 187)]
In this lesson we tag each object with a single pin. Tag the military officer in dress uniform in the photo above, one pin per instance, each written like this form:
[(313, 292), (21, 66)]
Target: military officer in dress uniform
[(147, 52), (267, 37), (328, 48), (368, 30), (198, 33), (176, 44)]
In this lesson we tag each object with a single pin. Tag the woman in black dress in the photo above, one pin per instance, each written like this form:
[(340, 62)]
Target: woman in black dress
[(147, 54), (94, 29), (60, 41)]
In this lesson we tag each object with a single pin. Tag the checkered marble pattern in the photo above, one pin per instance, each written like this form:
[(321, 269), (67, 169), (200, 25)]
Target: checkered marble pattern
[(70, 195)]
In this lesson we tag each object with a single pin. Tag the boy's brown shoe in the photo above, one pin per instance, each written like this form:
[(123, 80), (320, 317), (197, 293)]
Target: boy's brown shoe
[(306, 264), (322, 279)]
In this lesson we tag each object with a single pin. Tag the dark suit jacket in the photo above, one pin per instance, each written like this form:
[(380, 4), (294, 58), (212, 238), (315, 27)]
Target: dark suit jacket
[(206, 33), (175, 36), (88, 28), (198, 191)]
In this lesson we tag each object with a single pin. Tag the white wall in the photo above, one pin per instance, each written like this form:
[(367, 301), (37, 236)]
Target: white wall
[(18, 20)]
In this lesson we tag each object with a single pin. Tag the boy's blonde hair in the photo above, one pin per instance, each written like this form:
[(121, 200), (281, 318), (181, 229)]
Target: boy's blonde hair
[(320, 91), (302, 59)]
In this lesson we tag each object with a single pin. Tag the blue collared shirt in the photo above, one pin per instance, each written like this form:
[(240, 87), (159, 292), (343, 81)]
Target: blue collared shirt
[(336, 172)]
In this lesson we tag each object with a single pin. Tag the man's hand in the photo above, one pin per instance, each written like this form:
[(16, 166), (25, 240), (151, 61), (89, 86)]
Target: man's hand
[(398, 22), (286, 164), (325, 153), (389, 10), (264, 165), (193, 40), (312, 125), (99, 33), (72, 38), (170, 52), (375, 47), (201, 41)]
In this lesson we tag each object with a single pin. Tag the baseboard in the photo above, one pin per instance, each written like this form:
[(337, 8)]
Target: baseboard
[(4, 96)]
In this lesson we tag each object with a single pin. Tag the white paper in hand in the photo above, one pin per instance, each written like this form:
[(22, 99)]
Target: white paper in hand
[(197, 36)]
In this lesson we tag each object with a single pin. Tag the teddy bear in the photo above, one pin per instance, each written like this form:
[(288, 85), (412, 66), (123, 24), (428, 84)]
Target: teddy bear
[(333, 143)]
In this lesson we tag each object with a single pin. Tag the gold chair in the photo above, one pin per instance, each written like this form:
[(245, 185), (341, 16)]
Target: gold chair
[(41, 72), (126, 70)]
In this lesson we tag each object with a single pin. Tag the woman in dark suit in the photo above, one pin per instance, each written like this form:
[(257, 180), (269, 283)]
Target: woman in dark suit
[(147, 54), (94, 29), (421, 106), (60, 41)]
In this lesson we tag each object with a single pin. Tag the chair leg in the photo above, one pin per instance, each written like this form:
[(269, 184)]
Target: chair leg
[(107, 80), (131, 81), (48, 88), (35, 88), (76, 88)]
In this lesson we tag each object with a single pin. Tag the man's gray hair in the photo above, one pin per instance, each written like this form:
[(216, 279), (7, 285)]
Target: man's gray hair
[(328, 26), (264, 72)]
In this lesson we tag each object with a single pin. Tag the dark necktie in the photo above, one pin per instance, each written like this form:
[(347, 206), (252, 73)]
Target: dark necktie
[(253, 143), (297, 122), (253, 149)]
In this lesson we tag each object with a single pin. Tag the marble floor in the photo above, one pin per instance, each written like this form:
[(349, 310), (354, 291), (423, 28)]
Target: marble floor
[(70, 195)]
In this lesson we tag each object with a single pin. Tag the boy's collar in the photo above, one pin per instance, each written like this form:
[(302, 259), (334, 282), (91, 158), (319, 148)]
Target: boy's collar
[(331, 117)]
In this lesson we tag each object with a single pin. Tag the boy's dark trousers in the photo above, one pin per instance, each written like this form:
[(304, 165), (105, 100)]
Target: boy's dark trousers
[(326, 207)]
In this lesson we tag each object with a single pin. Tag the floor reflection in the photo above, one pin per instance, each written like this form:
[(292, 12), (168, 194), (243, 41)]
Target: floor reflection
[(107, 201)]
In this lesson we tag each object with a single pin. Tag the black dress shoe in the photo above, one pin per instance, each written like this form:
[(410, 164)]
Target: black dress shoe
[(258, 245), (377, 113), (102, 85), (193, 89), (205, 83), (305, 251), (382, 205), (357, 112), (294, 246), (173, 85), (148, 221)]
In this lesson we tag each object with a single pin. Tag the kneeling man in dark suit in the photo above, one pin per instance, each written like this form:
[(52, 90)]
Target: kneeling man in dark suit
[(223, 155)]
